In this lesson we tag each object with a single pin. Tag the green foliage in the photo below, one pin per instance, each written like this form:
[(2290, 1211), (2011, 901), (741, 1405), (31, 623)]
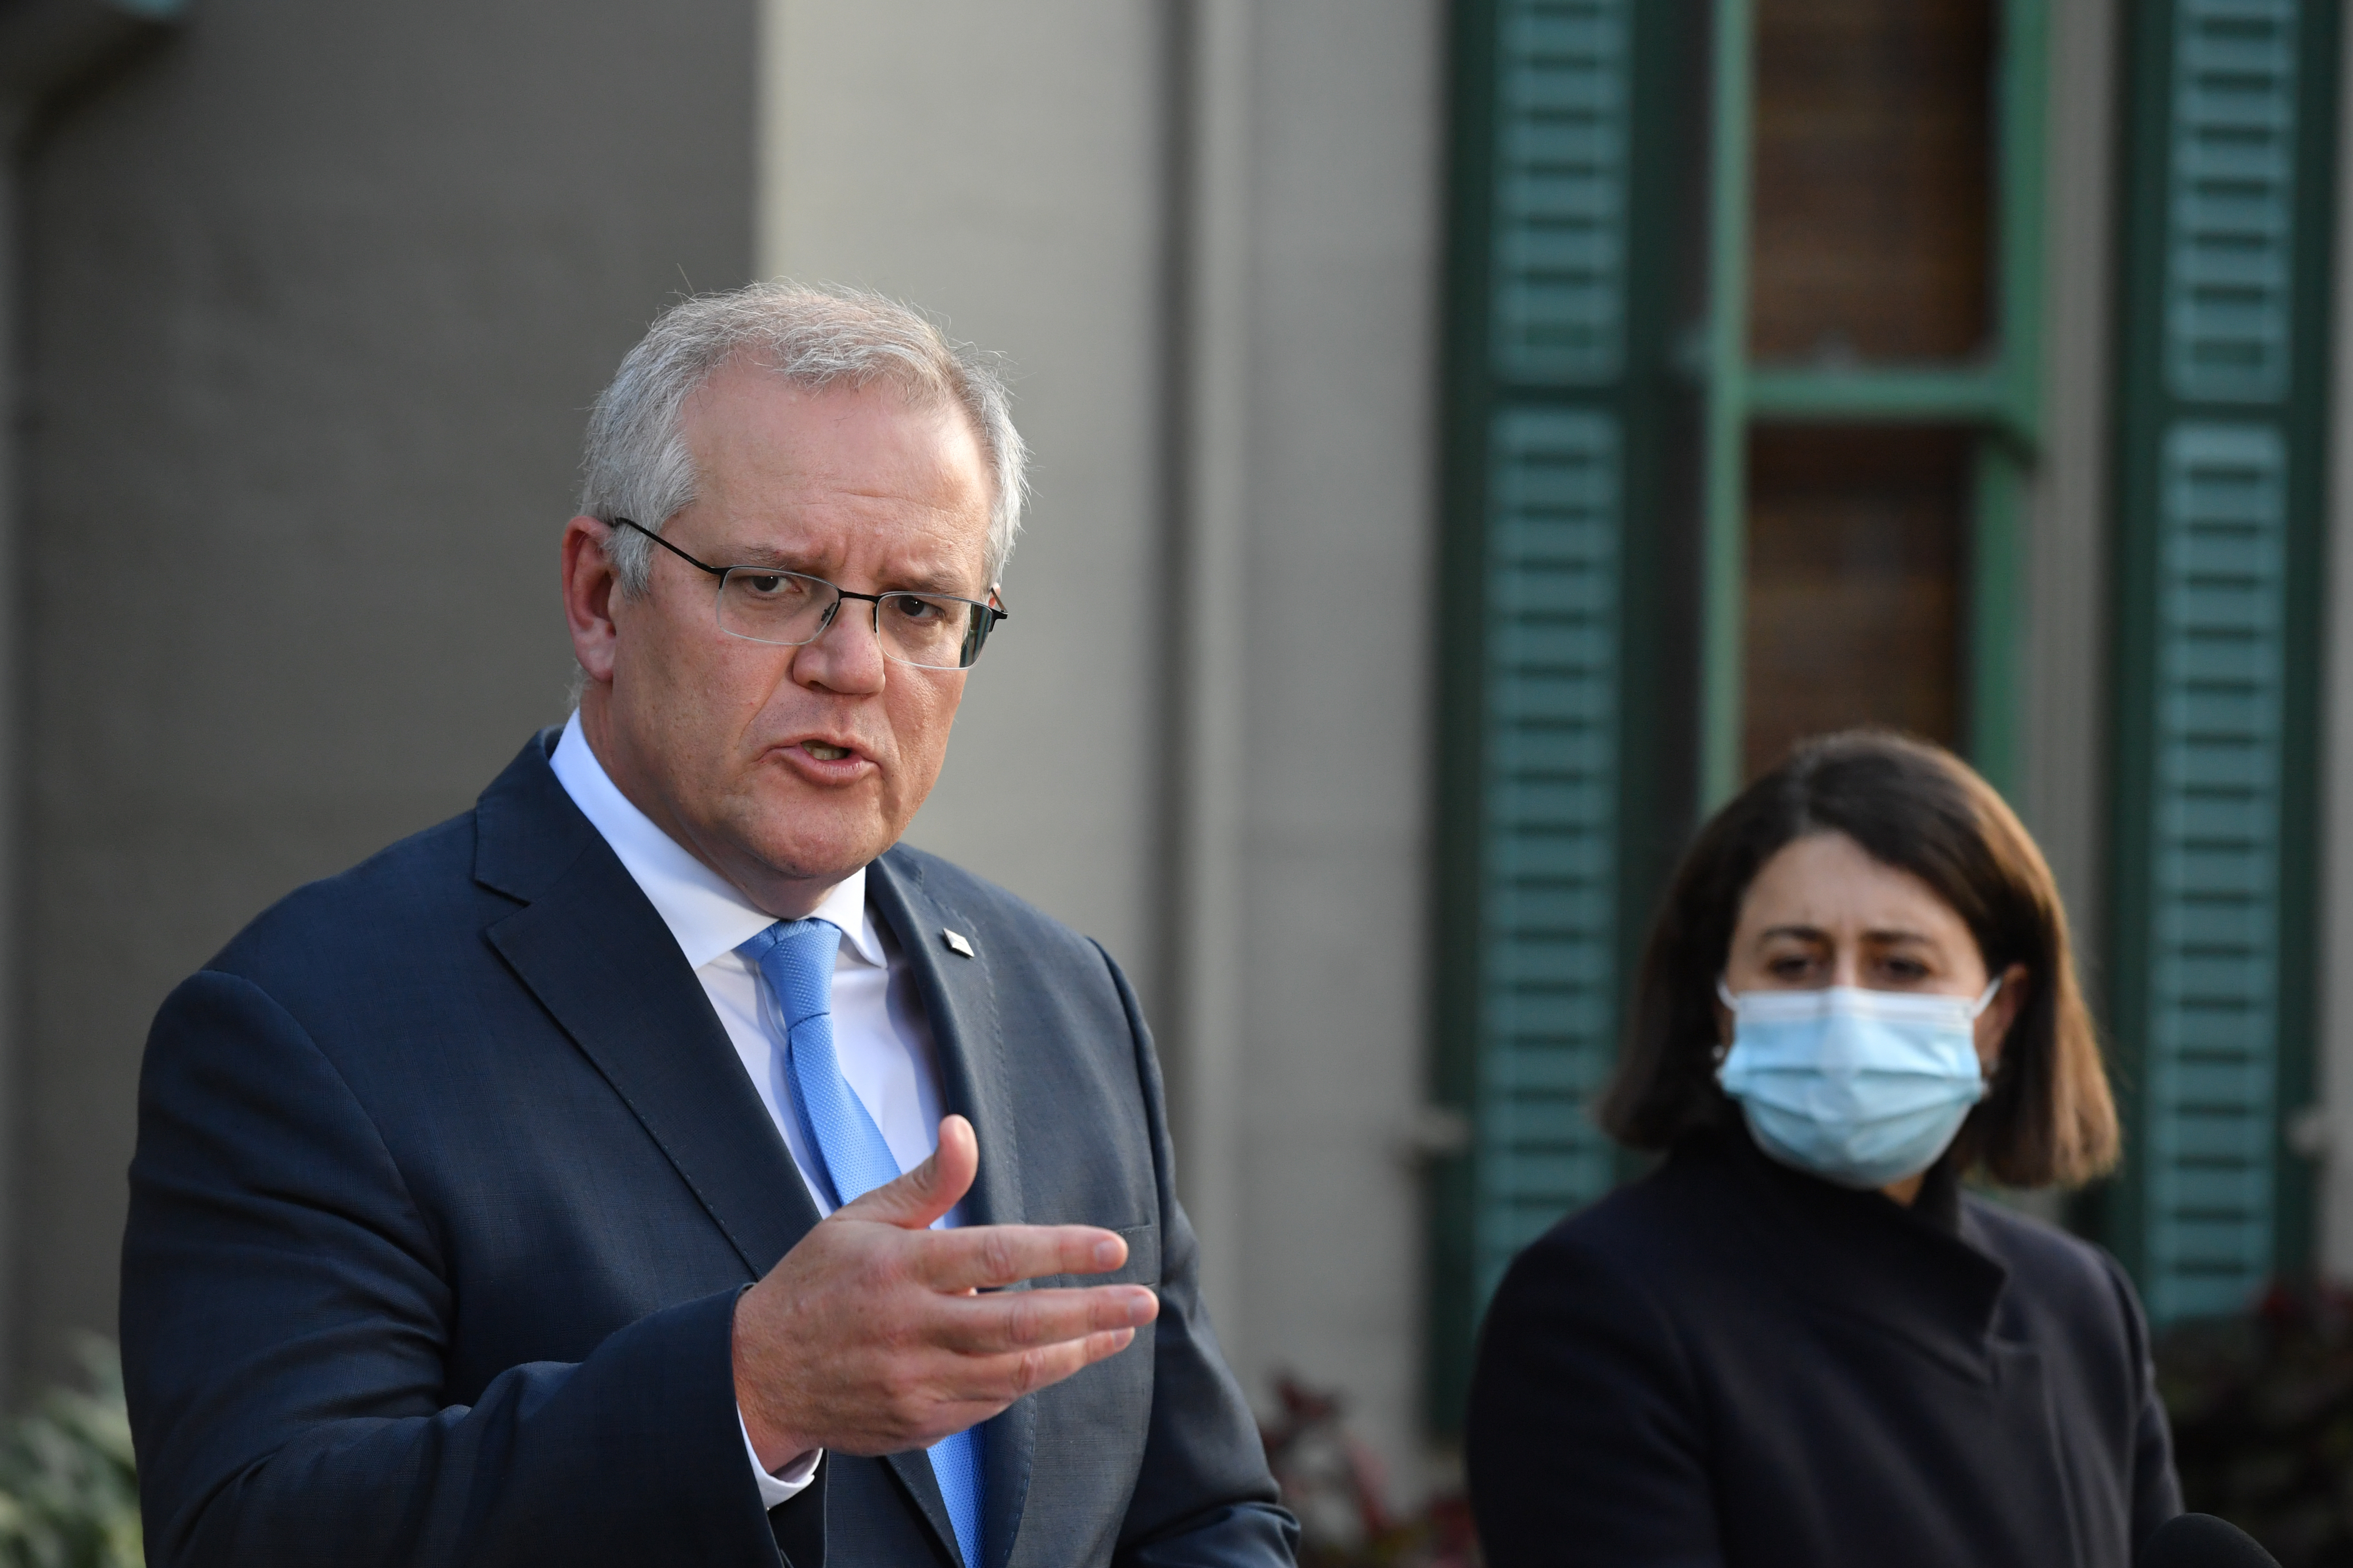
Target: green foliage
[(69, 1485)]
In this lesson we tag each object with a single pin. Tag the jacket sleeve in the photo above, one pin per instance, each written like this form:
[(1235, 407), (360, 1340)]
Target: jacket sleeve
[(2155, 1489), (1583, 1443), (285, 1314), (1203, 1495)]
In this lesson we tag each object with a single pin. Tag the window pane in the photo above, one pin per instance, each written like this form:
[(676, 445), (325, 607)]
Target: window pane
[(1855, 555), (1874, 179)]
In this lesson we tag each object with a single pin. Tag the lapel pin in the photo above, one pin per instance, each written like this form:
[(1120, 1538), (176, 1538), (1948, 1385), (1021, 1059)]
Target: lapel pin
[(957, 942)]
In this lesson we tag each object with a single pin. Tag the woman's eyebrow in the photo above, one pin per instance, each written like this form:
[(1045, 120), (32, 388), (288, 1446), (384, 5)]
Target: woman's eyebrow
[(1897, 934), (1803, 933)]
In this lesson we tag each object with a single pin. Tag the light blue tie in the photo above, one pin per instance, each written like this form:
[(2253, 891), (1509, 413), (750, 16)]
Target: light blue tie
[(797, 958)]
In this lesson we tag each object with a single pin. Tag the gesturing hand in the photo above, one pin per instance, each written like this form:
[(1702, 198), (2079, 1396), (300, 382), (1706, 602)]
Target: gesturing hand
[(870, 1337)]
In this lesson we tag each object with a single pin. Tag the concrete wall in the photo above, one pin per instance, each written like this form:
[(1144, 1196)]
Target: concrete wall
[(1207, 237), (318, 296), (2064, 705), (1341, 570)]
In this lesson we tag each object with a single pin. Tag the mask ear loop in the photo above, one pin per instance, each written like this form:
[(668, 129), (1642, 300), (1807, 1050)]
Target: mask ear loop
[(1722, 1048), (1985, 998), (1984, 1001)]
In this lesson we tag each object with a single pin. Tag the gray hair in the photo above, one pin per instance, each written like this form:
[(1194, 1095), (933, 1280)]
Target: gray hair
[(636, 462)]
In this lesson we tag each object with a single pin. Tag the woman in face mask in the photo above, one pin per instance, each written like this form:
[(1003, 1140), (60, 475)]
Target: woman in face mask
[(1800, 1340)]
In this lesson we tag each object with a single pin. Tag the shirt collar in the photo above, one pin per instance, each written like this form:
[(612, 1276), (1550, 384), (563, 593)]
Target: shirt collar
[(706, 912)]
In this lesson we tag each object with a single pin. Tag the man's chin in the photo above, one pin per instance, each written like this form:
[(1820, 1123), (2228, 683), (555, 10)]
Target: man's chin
[(806, 867), (786, 842)]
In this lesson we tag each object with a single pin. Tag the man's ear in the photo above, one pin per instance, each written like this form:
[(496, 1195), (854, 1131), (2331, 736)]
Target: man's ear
[(589, 586)]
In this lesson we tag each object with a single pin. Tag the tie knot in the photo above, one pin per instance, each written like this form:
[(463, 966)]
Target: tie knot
[(796, 957)]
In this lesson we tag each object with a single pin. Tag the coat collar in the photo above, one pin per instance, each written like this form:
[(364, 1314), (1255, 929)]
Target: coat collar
[(1911, 1273), (591, 947)]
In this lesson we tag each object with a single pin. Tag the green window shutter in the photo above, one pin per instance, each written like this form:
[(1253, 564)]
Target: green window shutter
[(2222, 445), (1559, 256), (1548, 927), (1567, 118), (2213, 969), (2230, 226)]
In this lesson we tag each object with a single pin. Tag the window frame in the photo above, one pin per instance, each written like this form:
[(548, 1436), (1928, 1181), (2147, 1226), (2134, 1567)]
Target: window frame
[(2001, 398)]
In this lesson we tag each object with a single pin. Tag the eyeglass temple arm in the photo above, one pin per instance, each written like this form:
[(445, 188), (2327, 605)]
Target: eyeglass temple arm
[(665, 544)]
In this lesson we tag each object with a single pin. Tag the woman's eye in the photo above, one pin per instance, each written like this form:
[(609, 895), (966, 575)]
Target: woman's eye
[(1789, 968)]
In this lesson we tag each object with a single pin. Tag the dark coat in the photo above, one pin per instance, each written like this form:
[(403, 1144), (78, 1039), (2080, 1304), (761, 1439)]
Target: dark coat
[(447, 1179), (1730, 1362)]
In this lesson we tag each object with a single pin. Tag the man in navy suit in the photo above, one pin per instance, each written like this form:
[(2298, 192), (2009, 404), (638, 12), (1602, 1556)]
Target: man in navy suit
[(655, 1165)]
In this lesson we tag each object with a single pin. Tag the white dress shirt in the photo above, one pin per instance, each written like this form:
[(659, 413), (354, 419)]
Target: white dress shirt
[(879, 1034)]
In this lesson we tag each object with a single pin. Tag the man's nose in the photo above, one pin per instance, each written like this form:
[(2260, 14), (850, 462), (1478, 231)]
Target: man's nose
[(848, 654)]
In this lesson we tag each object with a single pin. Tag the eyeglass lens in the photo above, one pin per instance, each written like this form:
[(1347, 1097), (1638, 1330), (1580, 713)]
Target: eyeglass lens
[(933, 631)]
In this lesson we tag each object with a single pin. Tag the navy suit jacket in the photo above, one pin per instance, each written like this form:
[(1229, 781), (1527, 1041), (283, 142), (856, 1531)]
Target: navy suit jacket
[(448, 1180)]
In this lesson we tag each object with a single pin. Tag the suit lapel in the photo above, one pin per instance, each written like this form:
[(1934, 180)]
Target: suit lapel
[(593, 950), (959, 996), (591, 947)]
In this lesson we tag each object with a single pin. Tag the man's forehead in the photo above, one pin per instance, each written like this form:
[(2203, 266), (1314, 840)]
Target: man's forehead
[(817, 478), (745, 404)]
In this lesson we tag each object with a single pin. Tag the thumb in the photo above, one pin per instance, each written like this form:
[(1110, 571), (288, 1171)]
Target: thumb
[(931, 1189)]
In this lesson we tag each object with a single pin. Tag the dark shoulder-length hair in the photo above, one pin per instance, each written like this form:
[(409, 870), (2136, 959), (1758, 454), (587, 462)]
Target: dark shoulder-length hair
[(2047, 1117)]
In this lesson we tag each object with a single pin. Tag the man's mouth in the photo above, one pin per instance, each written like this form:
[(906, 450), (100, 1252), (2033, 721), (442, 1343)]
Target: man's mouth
[(823, 753)]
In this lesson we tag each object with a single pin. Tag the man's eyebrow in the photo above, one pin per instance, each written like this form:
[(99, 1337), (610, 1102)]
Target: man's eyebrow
[(769, 555), (946, 585)]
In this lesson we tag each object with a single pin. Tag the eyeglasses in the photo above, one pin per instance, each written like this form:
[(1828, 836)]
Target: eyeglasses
[(792, 609)]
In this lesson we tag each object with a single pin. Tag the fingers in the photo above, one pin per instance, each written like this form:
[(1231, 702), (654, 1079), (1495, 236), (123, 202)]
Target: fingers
[(1027, 1320), (990, 1256), (993, 1382), (973, 1389), (1006, 1379), (931, 1189)]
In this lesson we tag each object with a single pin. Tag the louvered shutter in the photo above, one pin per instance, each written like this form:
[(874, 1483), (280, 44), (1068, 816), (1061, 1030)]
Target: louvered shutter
[(1550, 737), (2231, 201), (2222, 446), (2212, 1043), (1548, 956), (1559, 311)]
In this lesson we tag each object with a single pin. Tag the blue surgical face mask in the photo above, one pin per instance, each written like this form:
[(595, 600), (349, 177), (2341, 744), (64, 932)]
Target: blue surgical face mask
[(1861, 1088)]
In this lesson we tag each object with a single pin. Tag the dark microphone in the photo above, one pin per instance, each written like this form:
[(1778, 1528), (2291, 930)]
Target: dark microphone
[(2201, 1541)]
